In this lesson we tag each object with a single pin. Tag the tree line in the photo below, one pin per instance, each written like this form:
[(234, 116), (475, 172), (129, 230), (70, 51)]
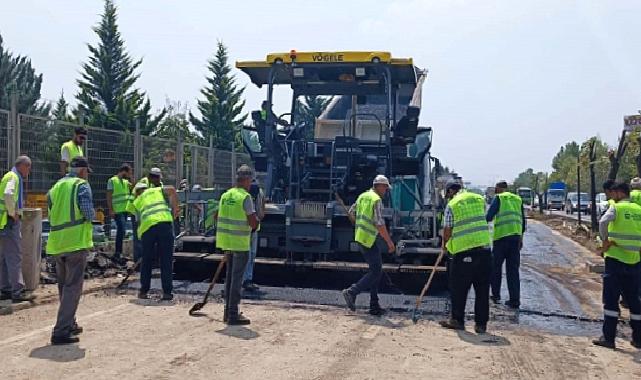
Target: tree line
[(108, 95)]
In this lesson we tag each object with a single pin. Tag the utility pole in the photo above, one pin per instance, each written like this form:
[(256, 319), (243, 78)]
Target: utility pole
[(578, 186), (592, 157)]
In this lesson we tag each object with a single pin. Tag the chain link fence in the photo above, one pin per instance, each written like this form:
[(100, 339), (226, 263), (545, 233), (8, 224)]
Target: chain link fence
[(41, 138)]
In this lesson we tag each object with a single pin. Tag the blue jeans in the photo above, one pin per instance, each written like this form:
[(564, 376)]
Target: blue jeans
[(120, 220), (507, 250), (158, 240), (372, 279), (620, 279), (253, 249)]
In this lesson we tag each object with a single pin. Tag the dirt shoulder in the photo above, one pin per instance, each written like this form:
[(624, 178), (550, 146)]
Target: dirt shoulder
[(124, 339)]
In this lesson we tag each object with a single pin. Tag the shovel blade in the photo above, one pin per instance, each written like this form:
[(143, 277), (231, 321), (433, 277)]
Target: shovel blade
[(196, 307)]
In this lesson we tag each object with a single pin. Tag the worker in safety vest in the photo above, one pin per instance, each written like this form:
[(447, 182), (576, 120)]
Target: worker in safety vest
[(118, 196), (466, 237), (72, 149), (635, 190), (620, 230), (210, 213), (155, 209), (259, 202), (235, 219), (11, 202), (508, 214), (153, 179), (372, 238), (70, 239)]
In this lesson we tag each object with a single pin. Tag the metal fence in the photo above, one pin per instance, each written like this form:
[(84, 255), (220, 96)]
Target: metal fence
[(41, 138)]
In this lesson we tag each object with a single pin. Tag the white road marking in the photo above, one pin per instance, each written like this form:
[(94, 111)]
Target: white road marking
[(22, 337)]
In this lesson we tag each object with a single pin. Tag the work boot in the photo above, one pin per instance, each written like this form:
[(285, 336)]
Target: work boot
[(58, 340), (376, 310), (452, 324), (603, 343), (23, 297), (480, 329), (350, 299), (495, 300), (512, 305), (5, 296), (250, 286), (238, 320), (636, 344), (167, 297), (76, 330), (143, 295)]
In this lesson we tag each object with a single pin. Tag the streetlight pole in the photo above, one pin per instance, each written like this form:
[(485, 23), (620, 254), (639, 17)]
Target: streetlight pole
[(578, 186)]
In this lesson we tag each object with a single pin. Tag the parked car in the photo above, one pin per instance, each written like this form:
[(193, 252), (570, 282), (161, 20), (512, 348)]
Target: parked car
[(601, 203), (572, 203), (129, 231)]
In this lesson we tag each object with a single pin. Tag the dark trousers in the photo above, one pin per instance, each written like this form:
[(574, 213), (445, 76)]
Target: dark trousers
[(467, 269), (158, 241), (236, 265), (507, 250), (620, 279), (70, 273), (136, 241), (372, 279), (120, 220)]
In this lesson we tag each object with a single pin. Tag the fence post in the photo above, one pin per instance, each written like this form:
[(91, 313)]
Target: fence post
[(233, 164), (11, 130), (81, 121), (194, 165), (137, 151), (210, 162), (179, 159)]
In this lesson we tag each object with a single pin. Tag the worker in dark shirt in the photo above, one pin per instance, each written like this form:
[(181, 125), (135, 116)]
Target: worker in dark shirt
[(508, 214)]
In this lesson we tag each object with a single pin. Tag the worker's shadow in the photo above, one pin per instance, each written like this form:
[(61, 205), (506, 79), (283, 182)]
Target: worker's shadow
[(151, 302), (383, 321), (240, 332), (63, 353), (486, 339)]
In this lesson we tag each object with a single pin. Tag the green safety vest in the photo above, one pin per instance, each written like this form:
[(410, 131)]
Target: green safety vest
[(470, 230), (366, 231), (151, 208), (210, 210), (74, 151), (263, 115), (232, 231), (635, 196), (70, 231), (625, 231), (4, 216), (509, 220), (120, 195)]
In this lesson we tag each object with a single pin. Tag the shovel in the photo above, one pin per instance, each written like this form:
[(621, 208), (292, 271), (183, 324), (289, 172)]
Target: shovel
[(419, 299), (200, 305)]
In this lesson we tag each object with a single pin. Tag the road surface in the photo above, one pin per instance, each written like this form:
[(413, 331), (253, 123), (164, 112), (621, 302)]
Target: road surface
[(128, 339)]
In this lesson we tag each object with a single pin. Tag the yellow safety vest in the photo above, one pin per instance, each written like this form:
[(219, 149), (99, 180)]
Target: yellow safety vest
[(625, 231), (232, 230), (151, 208), (635, 196), (70, 231), (470, 230), (120, 195), (366, 231), (509, 220), (4, 216), (74, 151)]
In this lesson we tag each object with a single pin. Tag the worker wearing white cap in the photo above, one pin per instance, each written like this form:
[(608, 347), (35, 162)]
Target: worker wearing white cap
[(635, 190), (153, 179), (372, 236)]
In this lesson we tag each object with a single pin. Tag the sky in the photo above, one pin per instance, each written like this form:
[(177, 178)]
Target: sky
[(509, 81)]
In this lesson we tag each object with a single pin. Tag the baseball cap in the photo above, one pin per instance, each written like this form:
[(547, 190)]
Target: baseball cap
[(381, 180), (635, 183), (141, 185), (80, 162), (156, 172), (244, 171)]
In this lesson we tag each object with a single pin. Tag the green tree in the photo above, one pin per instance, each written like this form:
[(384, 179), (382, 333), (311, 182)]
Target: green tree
[(174, 123), (308, 109), (107, 94), (61, 109), (221, 109), (18, 76)]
